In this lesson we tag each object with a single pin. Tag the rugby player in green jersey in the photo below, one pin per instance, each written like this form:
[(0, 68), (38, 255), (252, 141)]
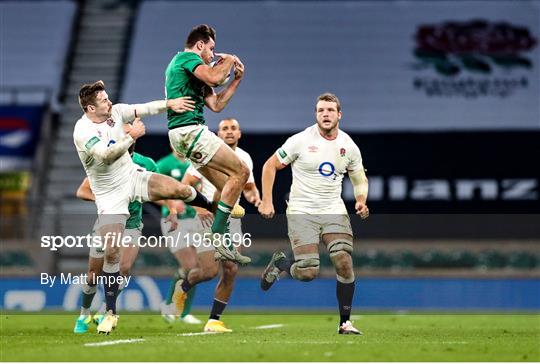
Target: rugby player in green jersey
[(189, 74)]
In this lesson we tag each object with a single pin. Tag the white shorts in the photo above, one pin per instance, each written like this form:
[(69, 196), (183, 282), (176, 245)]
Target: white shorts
[(196, 143), (133, 234), (308, 229), (190, 232), (113, 206)]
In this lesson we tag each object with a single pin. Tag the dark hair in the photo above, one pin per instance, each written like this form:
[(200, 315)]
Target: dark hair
[(88, 93), (200, 32), (327, 96)]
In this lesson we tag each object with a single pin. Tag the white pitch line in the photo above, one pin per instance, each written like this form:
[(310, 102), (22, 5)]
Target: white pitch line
[(114, 342), (273, 326), (197, 333)]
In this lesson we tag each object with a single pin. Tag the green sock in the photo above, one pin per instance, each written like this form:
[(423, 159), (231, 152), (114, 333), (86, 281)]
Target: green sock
[(221, 217), (174, 279), (189, 302)]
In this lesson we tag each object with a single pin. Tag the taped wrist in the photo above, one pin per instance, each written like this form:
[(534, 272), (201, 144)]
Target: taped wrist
[(359, 182)]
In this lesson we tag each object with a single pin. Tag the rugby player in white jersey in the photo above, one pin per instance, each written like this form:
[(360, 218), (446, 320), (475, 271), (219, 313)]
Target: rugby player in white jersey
[(102, 145), (229, 132), (319, 157)]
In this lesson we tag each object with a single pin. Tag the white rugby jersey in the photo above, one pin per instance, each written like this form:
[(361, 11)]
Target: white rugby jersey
[(104, 178), (318, 166), (208, 189)]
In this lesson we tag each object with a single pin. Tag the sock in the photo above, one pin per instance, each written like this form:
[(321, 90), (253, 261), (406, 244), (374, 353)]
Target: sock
[(345, 293), (198, 199), (174, 279), (102, 309), (217, 309), (189, 302), (221, 217), (87, 295), (284, 265), (111, 290)]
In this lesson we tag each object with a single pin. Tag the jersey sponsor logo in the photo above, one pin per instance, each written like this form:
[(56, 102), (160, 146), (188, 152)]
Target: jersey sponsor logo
[(282, 153), (342, 152), (93, 141), (110, 122), (327, 169), (313, 149)]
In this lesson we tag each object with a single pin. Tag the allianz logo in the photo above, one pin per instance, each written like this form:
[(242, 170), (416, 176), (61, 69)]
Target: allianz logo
[(398, 188)]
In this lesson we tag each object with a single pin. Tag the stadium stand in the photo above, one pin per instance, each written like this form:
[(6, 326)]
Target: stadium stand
[(32, 58)]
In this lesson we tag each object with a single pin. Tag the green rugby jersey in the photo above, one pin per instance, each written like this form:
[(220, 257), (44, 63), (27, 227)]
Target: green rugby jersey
[(180, 81), (135, 208), (172, 166)]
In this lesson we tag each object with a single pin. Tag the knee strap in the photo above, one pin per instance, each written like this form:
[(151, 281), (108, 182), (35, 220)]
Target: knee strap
[(307, 261), (339, 245)]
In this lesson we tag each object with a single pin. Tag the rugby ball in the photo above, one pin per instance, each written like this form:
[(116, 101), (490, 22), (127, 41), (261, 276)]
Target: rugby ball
[(212, 64)]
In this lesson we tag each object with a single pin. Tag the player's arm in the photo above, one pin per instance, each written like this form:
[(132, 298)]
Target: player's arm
[(214, 76), (84, 192), (272, 165), (360, 184), (110, 153), (217, 102), (129, 112)]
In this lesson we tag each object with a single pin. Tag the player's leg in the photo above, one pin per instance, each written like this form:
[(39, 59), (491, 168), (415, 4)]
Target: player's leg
[(304, 234), (111, 234), (209, 153), (161, 187), (207, 268), (179, 245), (187, 260), (228, 164), (337, 236), (95, 263), (225, 285), (222, 295), (222, 214)]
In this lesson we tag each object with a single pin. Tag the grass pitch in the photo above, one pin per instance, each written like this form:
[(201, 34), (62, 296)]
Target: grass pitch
[(277, 337)]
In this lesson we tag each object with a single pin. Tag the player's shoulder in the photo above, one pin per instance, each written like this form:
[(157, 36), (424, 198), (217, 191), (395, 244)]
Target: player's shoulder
[(308, 132), (183, 57), (82, 125), (119, 109), (347, 138), (245, 156)]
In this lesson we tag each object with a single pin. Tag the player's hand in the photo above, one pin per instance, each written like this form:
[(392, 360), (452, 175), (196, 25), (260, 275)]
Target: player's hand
[(173, 220), (266, 209), (206, 217), (362, 210), (238, 69), (181, 104), (222, 57), (256, 202), (137, 129)]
